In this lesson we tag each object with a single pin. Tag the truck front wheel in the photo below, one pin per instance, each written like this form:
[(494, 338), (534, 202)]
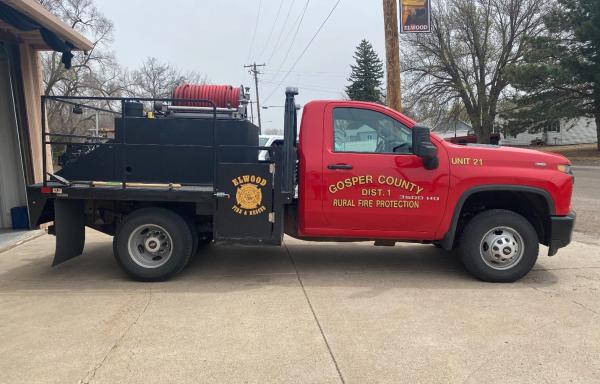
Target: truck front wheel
[(499, 246), (153, 244)]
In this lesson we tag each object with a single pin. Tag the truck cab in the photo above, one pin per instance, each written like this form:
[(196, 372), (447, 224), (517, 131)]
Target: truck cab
[(351, 171), (364, 175)]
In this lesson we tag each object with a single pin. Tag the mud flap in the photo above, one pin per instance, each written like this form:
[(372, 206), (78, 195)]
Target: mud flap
[(69, 224)]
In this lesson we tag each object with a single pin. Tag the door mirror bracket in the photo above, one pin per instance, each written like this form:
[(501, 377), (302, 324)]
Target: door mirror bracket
[(424, 148)]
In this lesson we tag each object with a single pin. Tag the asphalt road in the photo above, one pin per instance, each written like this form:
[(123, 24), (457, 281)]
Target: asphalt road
[(586, 200), (304, 313)]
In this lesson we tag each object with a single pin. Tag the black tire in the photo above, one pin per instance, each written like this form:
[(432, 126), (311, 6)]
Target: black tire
[(472, 247), (195, 236), (181, 244)]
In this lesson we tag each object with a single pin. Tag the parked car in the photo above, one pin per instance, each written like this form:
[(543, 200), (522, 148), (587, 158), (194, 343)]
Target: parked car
[(471, 138), (268, 141)]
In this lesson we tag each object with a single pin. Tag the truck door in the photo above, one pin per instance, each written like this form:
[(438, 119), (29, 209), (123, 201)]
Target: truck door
[(373, 184)]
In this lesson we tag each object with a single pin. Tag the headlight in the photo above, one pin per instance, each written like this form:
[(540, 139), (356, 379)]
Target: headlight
[(565, 168)]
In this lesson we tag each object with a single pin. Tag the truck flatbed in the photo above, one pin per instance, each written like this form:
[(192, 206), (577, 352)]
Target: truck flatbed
[(84, 191)]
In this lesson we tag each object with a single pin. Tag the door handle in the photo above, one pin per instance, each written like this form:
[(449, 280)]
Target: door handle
[(340, 166)]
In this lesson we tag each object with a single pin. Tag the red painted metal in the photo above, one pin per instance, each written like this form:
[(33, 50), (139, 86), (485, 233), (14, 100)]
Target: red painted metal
[(223, 96), (440, 190)]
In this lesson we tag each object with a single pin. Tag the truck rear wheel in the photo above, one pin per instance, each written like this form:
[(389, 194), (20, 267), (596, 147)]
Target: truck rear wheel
[(499, 246), (153, 244), (194, 231)]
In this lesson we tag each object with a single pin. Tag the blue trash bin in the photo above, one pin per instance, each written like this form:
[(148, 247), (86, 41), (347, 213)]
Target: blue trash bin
[(20, 219)]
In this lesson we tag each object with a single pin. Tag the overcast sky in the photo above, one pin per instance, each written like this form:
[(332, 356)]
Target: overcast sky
[(215, 38)]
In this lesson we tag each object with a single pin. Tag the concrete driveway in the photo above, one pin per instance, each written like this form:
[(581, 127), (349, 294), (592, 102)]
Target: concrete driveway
[(306, 313)]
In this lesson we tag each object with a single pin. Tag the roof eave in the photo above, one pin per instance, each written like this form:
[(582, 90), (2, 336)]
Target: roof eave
[(37, 12)]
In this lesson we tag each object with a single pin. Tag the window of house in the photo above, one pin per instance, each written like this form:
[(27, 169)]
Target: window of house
[(363, 130), (553, 126)]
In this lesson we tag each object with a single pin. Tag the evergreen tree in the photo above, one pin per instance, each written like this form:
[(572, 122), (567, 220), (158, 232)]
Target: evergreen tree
[(367, 74), (560, 76)]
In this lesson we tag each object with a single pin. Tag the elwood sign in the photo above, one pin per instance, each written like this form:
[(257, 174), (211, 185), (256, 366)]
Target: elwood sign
[(415, 16)]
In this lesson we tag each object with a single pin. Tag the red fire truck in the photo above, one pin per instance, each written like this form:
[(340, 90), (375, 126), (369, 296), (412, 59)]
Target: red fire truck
[(188, 173)]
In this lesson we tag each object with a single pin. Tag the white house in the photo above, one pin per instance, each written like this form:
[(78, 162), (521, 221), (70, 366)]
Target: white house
[(561, 132), (450, 128)]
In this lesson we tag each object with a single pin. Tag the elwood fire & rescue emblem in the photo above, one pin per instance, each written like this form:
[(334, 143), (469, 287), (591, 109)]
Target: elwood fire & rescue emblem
[(248, 197)]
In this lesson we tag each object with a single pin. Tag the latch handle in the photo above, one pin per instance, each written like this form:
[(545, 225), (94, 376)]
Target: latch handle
[(222, 195)]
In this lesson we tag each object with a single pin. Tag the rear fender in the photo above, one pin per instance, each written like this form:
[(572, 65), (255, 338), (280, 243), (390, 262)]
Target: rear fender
[(69, 227)]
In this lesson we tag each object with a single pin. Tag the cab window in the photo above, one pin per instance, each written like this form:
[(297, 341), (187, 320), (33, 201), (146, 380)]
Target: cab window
[(363, 130)]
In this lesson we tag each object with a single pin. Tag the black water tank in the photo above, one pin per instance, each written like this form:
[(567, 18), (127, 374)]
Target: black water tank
[(133, 109)]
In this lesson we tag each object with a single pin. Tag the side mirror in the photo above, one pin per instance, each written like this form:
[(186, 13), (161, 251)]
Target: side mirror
[(424, 148)]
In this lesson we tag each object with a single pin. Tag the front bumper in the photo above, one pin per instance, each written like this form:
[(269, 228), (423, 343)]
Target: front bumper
[(561, 231)]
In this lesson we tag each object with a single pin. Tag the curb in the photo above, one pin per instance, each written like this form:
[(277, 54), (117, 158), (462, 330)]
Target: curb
[(24, 239), (593, 167)]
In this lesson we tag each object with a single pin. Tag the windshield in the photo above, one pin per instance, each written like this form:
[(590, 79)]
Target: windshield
[(262, 141)]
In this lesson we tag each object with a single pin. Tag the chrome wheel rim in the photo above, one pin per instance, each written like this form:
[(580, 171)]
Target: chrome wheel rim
[(501, 248), (150, 246)]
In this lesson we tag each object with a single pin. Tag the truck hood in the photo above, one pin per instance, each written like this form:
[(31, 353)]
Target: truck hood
[(506, 155)]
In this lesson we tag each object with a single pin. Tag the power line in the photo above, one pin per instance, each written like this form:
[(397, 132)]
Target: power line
[(272, 29), (280, 34), (308, 73), (305, 49), (287, 53), (255, 29), (313, 87), (312, 72)]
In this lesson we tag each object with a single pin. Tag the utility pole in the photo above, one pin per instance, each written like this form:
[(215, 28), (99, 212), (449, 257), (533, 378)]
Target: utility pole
[(392, 54), (254, 71)]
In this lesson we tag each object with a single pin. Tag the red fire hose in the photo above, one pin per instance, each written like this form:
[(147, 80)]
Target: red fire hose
[(224, 96)]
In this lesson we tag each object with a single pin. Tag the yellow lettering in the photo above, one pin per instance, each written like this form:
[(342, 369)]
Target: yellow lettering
[(343, 203), (397, 204)]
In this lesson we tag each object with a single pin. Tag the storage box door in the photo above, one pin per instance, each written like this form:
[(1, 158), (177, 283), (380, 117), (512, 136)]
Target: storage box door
[(244, 203)]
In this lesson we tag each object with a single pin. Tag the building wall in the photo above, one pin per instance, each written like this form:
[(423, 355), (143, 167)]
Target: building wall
[(574, 131), (32, 91)]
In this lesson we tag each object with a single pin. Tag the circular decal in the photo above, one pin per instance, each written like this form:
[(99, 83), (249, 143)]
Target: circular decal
[(248, 196)]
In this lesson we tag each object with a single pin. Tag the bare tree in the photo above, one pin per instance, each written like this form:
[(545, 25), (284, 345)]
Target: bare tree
[(158, 80), (97, 72), (93, 73), (466, 56), (84, 17), (273, 131)]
